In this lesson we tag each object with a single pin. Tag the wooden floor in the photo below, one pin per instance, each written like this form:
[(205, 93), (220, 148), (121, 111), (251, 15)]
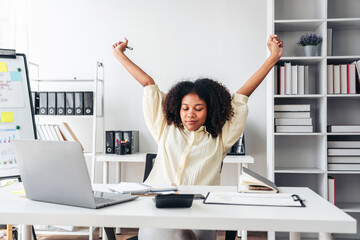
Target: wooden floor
[(129, 232)]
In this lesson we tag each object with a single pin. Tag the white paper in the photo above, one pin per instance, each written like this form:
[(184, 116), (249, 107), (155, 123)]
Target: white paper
[(134, 187), (7, 156), (11, 91)]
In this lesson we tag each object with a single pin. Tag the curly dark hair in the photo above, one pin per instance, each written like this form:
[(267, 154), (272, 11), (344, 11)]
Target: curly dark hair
[(216, 96)]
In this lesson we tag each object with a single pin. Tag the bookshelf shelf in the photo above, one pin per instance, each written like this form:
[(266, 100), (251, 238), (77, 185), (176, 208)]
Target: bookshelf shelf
[(300, 159)]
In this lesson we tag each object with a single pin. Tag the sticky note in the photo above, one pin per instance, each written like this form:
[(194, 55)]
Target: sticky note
[(3, 67), (7, 117), (15, 76)]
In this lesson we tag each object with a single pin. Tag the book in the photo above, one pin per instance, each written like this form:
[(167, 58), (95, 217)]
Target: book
[(352, 78), (330, 79), (68, 134), (135, 187), (344, 152), (331, 189), (294, 80), (301, 79), (41, 135), (329, 41), (250, 181), (343, 167), (53, 133), (343, 144), (294, 129), (282, 80), (292, 114), (337, 85), (343, 79), (58, 133), (306, 80), (344, 128), (343, 159), (288, 78), (292, 107), (276, 79), (293, 121)]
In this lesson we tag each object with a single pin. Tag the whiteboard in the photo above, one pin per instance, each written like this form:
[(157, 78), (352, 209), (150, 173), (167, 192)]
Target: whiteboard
[(16, 111)]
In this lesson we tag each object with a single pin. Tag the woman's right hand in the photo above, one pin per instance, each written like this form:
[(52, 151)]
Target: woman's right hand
[(119, 47)]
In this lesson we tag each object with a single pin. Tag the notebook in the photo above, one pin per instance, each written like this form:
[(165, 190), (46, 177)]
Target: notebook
[(56, 172)]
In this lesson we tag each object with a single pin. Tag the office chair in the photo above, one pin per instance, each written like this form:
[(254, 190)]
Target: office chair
[(150, 159)]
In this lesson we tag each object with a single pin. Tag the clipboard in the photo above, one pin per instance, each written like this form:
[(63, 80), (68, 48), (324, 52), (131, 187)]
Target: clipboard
[(254, 199)]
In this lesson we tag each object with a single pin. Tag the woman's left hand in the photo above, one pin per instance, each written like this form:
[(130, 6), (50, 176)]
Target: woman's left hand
[(275, 46)]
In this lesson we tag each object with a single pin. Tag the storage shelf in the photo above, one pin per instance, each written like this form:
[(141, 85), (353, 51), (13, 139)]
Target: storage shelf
[(342, 134), (299, 134), (64, 80), (343, 95), (348, 206), (343, 23), (140, 158), (81, 231), (343, 172), (302, 60), (310, 96), (300, 170), (297, 25)]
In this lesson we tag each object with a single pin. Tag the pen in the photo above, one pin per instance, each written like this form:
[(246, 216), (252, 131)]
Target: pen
[(130, 48)]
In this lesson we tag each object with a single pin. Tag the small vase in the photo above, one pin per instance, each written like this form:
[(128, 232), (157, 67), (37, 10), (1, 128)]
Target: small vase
[(310, 50)]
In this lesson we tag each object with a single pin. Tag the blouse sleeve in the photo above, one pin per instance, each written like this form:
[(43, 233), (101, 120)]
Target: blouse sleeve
[(233, 129), (152, 108)]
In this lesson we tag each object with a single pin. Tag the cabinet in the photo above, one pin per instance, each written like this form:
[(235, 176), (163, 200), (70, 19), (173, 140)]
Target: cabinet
[(88, 128), (300, 159)]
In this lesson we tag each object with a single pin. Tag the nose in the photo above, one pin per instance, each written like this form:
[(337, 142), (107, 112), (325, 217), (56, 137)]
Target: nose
[(191, 114)]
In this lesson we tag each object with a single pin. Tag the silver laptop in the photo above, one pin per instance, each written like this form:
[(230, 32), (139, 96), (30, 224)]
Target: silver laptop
[(56, 172)]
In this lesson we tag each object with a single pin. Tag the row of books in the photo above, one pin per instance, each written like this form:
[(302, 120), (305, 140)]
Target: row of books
[(53, 132), (291, 79), (343, 155), (293, 118), (343, 78)]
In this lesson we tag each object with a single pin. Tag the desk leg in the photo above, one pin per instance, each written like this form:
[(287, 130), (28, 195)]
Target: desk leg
[(109, 233), (271, 235), (105, 172), (26, 232), (325, 236), (118, 180), (295, 236)]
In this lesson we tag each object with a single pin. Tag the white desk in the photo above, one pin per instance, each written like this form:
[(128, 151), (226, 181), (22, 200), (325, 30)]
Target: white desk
[(140, 158), (318, 215)]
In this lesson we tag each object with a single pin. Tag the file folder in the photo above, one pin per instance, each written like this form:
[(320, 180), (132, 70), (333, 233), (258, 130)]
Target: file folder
[(69, 104), (79, 103), (51, 103), (60, 103), (43, 103), (88, 103)]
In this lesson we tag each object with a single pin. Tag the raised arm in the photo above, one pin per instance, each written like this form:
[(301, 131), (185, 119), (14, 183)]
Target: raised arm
[(275, 46), (141, 76)]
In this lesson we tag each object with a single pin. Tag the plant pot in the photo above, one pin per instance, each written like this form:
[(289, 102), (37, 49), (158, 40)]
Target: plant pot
[(310, 50)]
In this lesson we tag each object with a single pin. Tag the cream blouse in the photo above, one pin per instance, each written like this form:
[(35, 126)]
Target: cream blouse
[(189, 157)]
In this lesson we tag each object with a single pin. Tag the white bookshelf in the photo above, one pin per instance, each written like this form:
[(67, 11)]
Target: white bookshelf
[(300, 159), (88, 128)]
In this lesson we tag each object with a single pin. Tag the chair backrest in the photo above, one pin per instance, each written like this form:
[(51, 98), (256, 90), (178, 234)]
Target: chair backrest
[(150, 159)]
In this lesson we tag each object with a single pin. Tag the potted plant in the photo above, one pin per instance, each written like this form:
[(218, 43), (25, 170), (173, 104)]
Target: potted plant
[(310, 43)]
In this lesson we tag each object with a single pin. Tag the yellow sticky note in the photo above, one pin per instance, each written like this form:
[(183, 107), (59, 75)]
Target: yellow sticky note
[(7, 117), (3, 67), (19, 192)]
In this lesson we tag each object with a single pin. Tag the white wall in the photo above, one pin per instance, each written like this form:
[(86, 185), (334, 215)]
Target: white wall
[(172, 41)]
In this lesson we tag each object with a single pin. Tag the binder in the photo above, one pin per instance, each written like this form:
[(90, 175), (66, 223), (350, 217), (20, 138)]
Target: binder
[(60, 103), (132, 141), (51, 103), (35, 102), (69, 104), (110, 142), (43, 103), (79, 103), (88, 103)]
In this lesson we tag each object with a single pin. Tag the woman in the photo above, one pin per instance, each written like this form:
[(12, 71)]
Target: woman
[(194, 125)]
